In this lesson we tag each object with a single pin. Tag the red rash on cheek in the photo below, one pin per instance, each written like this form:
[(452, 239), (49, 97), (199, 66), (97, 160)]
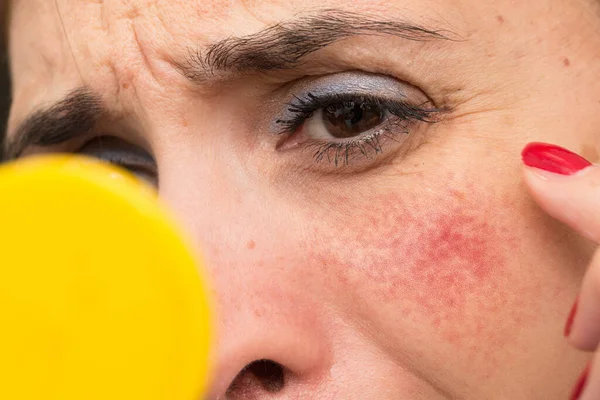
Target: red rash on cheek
[(439, 261)]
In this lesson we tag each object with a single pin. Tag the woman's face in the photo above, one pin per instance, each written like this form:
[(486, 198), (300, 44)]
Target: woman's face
[(350, 171)]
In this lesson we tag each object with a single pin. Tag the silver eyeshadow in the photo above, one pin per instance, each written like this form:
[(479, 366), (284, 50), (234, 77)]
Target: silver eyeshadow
[(357, 83)]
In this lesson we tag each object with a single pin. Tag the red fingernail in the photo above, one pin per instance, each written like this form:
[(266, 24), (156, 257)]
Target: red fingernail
[(571, 318), (580, 386), (552, 158)]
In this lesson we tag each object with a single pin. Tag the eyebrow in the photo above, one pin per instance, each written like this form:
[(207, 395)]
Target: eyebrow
[(75, 115), (283, 46), (278, 47)]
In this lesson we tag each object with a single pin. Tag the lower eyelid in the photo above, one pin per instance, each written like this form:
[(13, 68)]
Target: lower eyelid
[(369, 146)]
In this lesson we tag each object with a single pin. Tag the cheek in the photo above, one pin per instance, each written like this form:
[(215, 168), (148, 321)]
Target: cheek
[(439, 261)]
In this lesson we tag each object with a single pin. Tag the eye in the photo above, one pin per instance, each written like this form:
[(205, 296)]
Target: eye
[(345, 120), (124, 155), (353, 114)]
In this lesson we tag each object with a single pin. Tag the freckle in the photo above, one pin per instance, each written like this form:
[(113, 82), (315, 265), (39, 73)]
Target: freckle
[(184, 122), (566, 62), (251, 245), (133, 13), (125, 85), (458, 195), (500, 19)]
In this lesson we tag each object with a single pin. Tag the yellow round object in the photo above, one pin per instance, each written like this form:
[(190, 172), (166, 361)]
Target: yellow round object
[(100, 298)]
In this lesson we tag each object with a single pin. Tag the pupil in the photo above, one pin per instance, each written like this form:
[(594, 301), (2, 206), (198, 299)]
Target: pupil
[(351, 118)]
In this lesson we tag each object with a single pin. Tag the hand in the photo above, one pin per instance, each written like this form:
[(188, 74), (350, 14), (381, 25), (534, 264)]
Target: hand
[(567, 187)]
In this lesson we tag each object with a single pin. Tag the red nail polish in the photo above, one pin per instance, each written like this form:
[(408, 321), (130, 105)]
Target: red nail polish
[(580, 386), (571, 318), (552, 158)]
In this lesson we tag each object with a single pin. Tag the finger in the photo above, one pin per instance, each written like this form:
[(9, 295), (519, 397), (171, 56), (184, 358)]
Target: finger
[(584, 388), (565, 185), (583, 327), (568, 187)]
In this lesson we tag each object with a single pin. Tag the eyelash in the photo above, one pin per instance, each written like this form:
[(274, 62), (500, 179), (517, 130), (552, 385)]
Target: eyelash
[(303, 109)]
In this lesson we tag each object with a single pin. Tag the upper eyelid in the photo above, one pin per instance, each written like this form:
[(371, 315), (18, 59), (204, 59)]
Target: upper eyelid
[(356, 83), (402, 110), (384, 89), (352, 81)]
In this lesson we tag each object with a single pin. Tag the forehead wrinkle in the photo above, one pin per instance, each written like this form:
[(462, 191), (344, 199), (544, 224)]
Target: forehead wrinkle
[(129, 53), (176, 19), (284, 44)]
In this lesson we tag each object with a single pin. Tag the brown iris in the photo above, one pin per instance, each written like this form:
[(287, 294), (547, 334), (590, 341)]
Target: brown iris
[(350, 118)]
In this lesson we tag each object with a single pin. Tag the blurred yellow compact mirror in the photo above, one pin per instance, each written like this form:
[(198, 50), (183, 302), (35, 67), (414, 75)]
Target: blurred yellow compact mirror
[(100, 297)]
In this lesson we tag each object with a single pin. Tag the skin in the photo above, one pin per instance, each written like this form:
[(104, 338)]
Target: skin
[(426, 272)]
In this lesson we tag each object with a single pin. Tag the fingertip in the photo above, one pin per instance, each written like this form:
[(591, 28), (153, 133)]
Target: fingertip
[(552, 158), (583, 325)]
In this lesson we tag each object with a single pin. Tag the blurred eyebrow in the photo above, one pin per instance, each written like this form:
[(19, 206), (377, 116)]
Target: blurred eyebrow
[(74, 115), (283, 45)]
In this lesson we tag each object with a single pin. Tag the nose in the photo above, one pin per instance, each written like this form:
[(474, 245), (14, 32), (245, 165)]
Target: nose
[(271, 336), (268, 356)]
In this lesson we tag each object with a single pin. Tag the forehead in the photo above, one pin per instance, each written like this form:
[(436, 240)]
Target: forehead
[(200, 21), (58, 45), (92, 28)]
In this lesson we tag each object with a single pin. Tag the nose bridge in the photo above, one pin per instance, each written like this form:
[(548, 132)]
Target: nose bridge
[(229, 210), (206, 194), (254, 261)]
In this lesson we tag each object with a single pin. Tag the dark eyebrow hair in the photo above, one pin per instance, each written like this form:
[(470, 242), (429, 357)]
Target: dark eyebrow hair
[(74, 115), (278, 47), (283, 45)]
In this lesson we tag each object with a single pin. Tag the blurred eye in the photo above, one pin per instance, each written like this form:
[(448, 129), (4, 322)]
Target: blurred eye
[(125, 155)]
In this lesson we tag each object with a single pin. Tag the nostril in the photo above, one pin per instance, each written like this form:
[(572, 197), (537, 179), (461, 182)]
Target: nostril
[(269, 373), (258, 376)]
